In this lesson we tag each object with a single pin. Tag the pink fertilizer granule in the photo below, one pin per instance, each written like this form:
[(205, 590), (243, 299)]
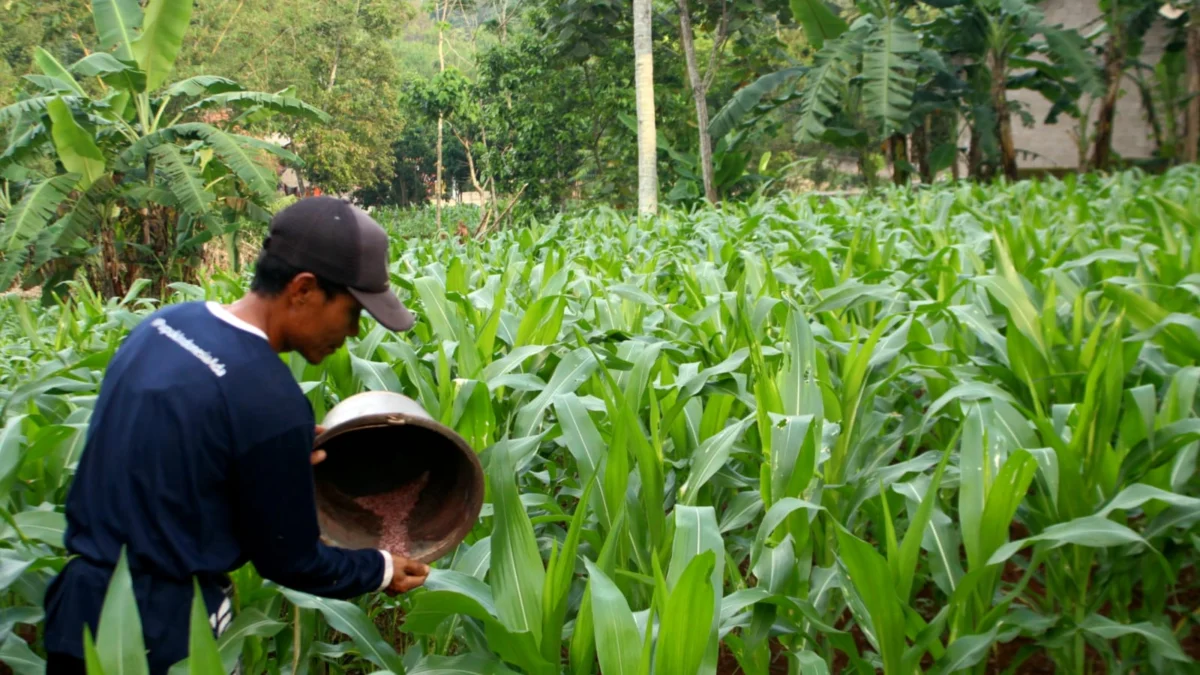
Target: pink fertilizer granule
[(393, 509)]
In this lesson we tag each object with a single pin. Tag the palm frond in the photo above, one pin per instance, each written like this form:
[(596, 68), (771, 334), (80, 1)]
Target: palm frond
[(48, 85), (156, 49), (182, 179), (272, 148), (24, 145), (28, 219), (112, 70), (275, 102), (1068, 49), (37, 207), (829, 73), (76, 146), (242, 161), (749, 96), (85, 217), (139, 194), (55, 70), (137, 151), (820, 22), (117, 24), (888, 74), (202, 84), (34, 106), (12, 265)]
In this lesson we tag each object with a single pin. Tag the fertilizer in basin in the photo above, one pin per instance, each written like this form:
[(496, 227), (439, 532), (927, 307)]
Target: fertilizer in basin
[(393, 510), (401, 487)]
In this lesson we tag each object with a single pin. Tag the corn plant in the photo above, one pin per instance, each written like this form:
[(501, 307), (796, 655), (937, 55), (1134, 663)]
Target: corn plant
[(945, 431)]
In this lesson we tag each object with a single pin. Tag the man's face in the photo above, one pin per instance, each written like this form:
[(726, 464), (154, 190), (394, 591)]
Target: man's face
[(318, 324)]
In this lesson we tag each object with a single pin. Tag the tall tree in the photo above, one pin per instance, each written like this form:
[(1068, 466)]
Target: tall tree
[(443, 12), (1193, 84), (997, 64), (644, 86), (1128, 21), (991, 38), (337, 54), (700, 84)]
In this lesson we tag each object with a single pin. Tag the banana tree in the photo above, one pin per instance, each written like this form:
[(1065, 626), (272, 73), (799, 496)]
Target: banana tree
[(1162, 87), (143, 174), (860, 88), (884, 75), (1007, 44), (1127, 22)]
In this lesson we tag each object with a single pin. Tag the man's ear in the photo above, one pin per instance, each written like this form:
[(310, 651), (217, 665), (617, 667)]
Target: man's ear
[(302, 287)]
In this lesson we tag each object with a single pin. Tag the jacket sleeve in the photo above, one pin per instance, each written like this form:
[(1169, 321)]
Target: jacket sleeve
[(277, 523)]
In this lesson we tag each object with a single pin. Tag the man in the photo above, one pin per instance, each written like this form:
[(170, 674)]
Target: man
[(199, 450)]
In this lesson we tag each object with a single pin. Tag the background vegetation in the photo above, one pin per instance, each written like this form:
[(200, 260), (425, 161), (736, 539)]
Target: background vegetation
[(773, 362)]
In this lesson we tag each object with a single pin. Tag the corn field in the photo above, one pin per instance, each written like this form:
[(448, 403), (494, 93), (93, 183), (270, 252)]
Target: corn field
[(949, 430)]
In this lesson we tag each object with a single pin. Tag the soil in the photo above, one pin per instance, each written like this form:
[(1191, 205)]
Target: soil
[(26, 294), (27, 633), (727, 663), (1188, 599)]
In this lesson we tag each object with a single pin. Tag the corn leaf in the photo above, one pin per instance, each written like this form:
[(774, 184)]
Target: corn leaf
[(1091, 531), (683, 633), (119, 642), (618, 643), (203, 656), (479, 664), (349, 619), (876, 589), (517, 574)]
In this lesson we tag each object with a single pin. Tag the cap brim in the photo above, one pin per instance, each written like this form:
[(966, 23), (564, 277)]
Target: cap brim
[(386, 308)]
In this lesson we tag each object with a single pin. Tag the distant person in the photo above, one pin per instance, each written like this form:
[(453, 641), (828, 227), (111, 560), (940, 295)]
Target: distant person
[(199, 450)]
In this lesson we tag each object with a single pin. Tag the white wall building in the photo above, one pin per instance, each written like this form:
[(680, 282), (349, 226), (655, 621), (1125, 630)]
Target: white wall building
[(1054, 145)]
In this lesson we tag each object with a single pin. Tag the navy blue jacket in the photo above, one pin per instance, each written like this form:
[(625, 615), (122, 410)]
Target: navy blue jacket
[(197, 460)]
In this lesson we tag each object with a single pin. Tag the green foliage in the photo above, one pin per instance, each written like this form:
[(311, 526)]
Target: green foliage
[(140, 187), (899, 433), (337, 56), (552, 122), (820, 22)]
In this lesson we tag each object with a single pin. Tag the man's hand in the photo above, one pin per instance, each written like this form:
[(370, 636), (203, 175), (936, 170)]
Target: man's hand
[(406, 574), (318, 456)]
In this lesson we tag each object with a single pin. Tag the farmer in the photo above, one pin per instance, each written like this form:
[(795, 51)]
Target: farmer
[(199, 450)]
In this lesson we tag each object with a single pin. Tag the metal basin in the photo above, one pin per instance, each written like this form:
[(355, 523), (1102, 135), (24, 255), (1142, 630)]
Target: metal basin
[(376, 443)]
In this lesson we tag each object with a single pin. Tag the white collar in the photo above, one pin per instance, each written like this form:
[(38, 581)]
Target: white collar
[(226, 316)]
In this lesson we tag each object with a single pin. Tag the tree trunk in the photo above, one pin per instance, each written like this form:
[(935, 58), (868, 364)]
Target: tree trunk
[(700, 94), (1148, 107), (337, 52), (998, 64), (1114, 57), (441, 118), (471, 167), (954, 136), (864, 168), (1193, 90), (920, 149), (975, 153), (899, 152), (644, 88), (111, 279)]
